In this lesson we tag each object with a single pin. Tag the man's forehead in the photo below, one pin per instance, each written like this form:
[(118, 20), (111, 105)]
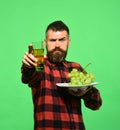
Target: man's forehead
[(56, 34)]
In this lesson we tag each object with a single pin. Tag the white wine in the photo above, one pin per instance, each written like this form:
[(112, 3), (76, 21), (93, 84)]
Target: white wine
[(39, 54)]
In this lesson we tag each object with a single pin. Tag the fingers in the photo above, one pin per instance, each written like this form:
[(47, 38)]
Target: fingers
[(89, 88), (45, 56), (29, 60), (76, 93), (79, 92)]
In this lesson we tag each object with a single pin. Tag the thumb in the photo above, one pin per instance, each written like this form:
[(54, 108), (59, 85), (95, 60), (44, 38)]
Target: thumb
[(30, 48), (45, 56)]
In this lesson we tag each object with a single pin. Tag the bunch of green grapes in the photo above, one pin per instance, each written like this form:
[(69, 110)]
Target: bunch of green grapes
[(80, 78)]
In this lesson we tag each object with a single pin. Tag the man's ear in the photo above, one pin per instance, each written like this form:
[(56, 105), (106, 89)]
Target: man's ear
[(69, 42), (43, 43)]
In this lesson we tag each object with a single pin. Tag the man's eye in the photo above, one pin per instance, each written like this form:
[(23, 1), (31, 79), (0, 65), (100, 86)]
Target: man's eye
[(52, 40), (62, 39)]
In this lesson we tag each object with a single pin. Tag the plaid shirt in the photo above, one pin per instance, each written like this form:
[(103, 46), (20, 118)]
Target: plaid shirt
[(55, 108)]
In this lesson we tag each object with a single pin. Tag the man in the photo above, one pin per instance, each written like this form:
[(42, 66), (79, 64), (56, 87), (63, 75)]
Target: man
[(57, 108)]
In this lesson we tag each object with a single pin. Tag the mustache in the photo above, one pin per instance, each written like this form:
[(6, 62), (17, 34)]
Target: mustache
[(57, 49)]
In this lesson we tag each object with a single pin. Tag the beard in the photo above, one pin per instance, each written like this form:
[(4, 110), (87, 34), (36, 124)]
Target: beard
[(56, 55)]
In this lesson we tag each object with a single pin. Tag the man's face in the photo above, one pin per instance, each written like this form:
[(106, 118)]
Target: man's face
[(57, 43)]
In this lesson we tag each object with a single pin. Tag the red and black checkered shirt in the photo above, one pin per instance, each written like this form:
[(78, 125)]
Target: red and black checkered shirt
[(55, 108)]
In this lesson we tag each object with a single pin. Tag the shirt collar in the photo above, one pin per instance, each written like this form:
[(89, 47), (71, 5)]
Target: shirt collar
[(52, 65)]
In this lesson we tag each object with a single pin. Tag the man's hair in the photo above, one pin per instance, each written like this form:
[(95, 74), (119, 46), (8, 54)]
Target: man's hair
[(57, 26)]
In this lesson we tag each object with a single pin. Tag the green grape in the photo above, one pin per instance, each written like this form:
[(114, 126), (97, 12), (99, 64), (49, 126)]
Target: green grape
[(69, 75), (76, 74), (92, 76), (80, 78), (72, 79), (88, 75), (74, 70), (87, 81), (79, 83), (82, 81)]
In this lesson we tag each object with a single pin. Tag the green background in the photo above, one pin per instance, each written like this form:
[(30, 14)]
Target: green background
[(95, 30)]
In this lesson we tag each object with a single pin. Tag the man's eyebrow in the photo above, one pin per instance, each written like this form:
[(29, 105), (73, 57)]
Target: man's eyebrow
[(60, 39), (52, 39)]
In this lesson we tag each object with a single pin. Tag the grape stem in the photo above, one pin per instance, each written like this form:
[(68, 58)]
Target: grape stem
[(84, 69)]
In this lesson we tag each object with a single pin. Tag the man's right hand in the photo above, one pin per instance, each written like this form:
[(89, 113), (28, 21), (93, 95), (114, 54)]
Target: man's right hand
[(28, 59)]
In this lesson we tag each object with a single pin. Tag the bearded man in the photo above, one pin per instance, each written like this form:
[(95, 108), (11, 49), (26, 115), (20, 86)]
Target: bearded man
[(56, 108)]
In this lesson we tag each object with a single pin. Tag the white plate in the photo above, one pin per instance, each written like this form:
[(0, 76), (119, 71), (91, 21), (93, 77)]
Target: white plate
[(75, 87)]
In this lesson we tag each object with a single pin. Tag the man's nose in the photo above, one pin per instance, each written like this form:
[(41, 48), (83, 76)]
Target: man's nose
[(57, 43)]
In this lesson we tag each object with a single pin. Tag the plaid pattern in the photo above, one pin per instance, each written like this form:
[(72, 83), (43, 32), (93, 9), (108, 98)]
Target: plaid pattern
[(55, 108)]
